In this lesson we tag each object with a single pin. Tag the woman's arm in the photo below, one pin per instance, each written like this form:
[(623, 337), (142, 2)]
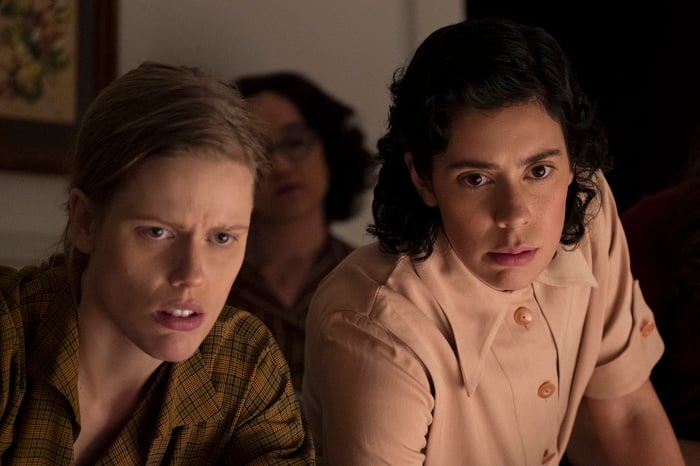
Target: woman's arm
[(634, 429), (368, 396)]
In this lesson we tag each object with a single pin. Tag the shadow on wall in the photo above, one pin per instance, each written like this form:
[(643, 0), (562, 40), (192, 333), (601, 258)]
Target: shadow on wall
[(32, 234)]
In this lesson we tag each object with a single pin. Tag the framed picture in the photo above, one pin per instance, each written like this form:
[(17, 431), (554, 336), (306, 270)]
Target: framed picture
[(55, 55)]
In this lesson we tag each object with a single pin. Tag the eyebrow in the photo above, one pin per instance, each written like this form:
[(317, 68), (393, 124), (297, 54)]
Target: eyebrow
[(545, 154), (181, 227)]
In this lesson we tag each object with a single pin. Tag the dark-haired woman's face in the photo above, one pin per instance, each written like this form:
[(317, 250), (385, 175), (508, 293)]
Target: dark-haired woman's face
[(501, 188), (297, 185)]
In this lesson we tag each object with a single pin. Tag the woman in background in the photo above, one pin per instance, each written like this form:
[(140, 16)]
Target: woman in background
[(319, 169)]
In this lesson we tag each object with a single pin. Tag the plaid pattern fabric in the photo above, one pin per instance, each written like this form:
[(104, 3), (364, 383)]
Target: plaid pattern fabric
[(230, 403), (250, 292)]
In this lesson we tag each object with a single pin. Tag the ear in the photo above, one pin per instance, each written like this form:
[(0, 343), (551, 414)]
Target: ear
[(82, 220), (422, 185)]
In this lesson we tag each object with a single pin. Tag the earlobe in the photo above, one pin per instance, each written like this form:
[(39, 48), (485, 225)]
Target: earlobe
[(423, 186), (81, 220)]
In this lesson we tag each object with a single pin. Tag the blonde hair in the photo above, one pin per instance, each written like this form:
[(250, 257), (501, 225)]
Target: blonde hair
[(157, 110)]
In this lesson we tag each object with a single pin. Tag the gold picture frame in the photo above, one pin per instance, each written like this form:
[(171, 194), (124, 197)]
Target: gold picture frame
[(55, 55)]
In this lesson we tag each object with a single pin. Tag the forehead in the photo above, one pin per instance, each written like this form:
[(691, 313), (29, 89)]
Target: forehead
[(179, 177), (516, 130), (276, 110)]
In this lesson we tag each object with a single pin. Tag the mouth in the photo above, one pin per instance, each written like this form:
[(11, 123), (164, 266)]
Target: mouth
[(286, 188), (180, 317), (513, 257), (181, 312)]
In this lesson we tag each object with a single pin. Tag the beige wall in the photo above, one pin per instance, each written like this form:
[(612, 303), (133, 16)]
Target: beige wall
[(350, 47)]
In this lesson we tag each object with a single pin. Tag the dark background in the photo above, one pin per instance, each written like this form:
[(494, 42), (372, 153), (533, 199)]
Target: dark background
[(639, 64)]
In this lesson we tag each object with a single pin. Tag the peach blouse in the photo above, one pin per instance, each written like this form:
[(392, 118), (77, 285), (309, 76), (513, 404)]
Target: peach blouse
[(421, 363)]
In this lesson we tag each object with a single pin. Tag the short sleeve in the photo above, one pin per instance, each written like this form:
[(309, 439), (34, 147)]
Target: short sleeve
[(632, 366), (631, 344), (367, 394)]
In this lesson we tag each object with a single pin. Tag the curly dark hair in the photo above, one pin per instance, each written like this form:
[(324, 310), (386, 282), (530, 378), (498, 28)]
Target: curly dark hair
[(349, 162), (482, 64)]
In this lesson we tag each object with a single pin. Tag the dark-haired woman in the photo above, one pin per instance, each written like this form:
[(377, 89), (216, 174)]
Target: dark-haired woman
[(499, 295), (319, 169)]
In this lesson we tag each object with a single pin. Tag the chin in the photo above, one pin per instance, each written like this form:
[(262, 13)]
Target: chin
[(177, 352), (510, 281)]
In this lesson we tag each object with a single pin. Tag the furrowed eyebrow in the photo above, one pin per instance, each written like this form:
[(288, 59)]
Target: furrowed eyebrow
[(478, 164), (181, 227), (231, 228)]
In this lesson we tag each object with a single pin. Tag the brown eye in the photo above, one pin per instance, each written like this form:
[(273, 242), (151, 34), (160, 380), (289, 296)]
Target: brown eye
[(222, 238), (541, 171), (474, 179)]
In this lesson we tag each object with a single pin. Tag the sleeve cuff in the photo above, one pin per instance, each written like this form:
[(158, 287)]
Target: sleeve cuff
[(633, 365)]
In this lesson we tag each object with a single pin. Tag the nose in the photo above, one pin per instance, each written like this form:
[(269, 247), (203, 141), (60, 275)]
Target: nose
[(280, 166), (512, 209), (187, 270)]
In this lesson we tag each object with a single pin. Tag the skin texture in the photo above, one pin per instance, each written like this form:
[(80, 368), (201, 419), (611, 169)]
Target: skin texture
[(634, 429), (501, 188), (177, 243), (293, 188)]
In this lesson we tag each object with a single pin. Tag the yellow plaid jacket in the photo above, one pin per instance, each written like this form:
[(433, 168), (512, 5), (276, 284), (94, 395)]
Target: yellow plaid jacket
[(232, 402)]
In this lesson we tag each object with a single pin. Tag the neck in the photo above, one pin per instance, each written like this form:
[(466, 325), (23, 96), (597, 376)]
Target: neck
[(272, 242), (110, 370), (285, 252)]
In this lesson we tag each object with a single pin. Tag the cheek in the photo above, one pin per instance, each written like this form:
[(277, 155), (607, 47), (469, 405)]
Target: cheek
[(126, 258), (464, 222), (114, 280), (264, 198), (555, 206), (130, 270), (317, 169), (262, 188), (225, 267)]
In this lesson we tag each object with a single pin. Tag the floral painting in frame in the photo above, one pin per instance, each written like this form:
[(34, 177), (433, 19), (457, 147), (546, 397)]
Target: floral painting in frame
[(54, 57)]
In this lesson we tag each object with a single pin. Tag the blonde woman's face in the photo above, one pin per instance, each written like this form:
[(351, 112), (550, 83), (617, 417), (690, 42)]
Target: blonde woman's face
[(164, 254)]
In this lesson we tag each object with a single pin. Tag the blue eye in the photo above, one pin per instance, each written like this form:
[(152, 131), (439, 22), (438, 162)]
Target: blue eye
[(157, 233)]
